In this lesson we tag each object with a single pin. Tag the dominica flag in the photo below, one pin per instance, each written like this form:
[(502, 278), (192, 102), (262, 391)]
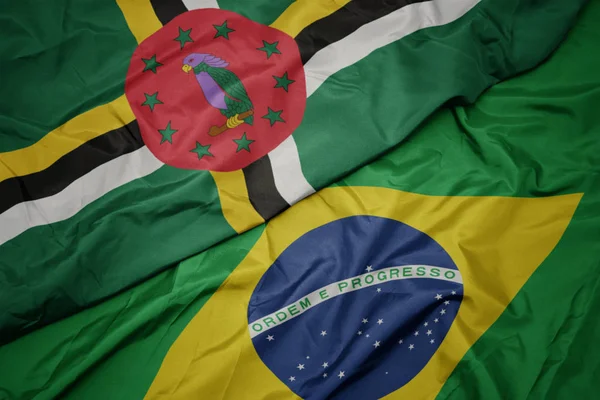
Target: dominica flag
[(315, 199)]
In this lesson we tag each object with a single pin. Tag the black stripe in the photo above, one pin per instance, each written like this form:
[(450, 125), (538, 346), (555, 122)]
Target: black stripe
[(262, 191), (89, 155), (70, 167), (343, 22), (166, 10)]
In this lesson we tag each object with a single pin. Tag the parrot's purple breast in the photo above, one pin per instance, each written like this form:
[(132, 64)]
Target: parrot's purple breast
[(213, 93)]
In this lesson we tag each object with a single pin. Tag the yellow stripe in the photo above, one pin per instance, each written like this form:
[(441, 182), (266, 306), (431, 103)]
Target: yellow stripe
[(140, 17), (235, 202), (142, 21), (302, 13), (65, 138), (231, 186), (496, 242)]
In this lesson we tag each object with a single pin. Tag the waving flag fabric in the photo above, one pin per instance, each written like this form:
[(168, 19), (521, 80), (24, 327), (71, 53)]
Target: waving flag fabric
[(207, 199), (75, 215)]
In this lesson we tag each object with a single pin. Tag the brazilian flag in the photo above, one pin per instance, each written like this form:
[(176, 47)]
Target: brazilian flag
[(341, 199)]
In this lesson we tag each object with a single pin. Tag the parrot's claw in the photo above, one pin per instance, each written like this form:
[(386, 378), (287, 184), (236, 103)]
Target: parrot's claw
[(234, 121)]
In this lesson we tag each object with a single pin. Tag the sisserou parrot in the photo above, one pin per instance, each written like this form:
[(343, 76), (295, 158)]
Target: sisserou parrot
[(221, 87)]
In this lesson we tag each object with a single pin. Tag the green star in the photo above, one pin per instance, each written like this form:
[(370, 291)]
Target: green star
[(243, 143), (151, 64), (283, 81), (151, 100), (201, 151), (184, 37), (269, 48), (273, 116), (167, 134), (223, 30)]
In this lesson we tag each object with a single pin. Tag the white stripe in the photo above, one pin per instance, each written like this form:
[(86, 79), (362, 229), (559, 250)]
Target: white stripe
[(345, 286), (379, 33), (87, 188), (196, 4), (78, 194), (287, 168), (287, 171), (285, 160)]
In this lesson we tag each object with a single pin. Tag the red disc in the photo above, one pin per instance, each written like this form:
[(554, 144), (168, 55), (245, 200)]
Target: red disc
[(213, 90)]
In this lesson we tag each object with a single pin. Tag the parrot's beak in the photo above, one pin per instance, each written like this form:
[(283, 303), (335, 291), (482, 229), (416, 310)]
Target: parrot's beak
[(186, 68)]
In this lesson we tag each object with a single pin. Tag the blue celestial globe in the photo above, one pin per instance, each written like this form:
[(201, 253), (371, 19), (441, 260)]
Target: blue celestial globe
[(354, 309)]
